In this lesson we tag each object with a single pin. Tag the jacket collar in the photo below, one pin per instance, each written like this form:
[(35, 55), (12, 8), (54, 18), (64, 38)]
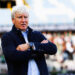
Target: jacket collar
[(18, 32)]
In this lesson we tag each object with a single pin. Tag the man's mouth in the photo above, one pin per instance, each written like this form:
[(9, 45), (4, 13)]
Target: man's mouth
[(23, 24)]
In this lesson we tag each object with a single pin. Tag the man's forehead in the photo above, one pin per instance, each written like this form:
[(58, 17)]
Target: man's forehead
[(21, 13)]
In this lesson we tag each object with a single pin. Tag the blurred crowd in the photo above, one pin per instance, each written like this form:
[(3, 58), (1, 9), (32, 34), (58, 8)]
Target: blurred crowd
[(65, 42)]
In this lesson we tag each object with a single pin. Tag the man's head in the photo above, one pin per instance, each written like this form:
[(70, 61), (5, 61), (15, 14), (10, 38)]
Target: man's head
[(20, 17)]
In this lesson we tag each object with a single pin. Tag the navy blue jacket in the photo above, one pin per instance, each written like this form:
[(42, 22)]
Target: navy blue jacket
[(17, 61)]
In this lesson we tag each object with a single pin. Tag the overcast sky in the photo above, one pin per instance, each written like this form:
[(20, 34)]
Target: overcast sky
[(52, 11)]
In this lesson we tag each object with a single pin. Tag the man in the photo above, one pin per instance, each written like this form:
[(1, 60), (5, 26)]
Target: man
[(24, 48)]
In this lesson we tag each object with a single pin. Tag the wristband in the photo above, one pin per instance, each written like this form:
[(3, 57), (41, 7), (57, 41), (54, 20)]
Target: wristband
[(31, 44)]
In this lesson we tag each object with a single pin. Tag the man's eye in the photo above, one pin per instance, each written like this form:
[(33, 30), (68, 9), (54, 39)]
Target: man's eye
[(25, 16), (19, 17)]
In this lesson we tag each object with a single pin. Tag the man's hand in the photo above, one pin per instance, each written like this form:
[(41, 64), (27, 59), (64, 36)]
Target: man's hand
[(44, 41), (23, 47)]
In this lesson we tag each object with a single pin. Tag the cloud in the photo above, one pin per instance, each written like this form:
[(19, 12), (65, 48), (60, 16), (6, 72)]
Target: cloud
[(61, 9), (73, 1), (58, 9)]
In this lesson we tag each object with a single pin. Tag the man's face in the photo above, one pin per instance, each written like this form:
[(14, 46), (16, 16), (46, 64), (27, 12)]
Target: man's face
[(21, 21)]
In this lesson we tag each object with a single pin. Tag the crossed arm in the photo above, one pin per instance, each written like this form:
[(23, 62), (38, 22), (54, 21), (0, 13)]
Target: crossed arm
[(22, 52), (26, 46)]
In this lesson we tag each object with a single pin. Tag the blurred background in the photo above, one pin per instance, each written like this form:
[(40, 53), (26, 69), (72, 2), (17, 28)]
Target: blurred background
[(56, 21)]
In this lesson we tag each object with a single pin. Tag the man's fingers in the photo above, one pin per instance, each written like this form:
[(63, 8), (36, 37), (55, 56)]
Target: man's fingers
[(44, 41), (18, 48), (23, 47)]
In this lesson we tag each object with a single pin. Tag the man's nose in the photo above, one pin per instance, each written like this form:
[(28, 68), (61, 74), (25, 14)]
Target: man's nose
[(23, 19)]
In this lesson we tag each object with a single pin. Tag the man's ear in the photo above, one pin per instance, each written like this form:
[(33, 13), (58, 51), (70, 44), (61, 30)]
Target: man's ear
[(13, 20)]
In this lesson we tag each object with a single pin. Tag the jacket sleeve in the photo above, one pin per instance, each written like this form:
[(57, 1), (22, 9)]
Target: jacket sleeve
[(10, 52), (45, 48)]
